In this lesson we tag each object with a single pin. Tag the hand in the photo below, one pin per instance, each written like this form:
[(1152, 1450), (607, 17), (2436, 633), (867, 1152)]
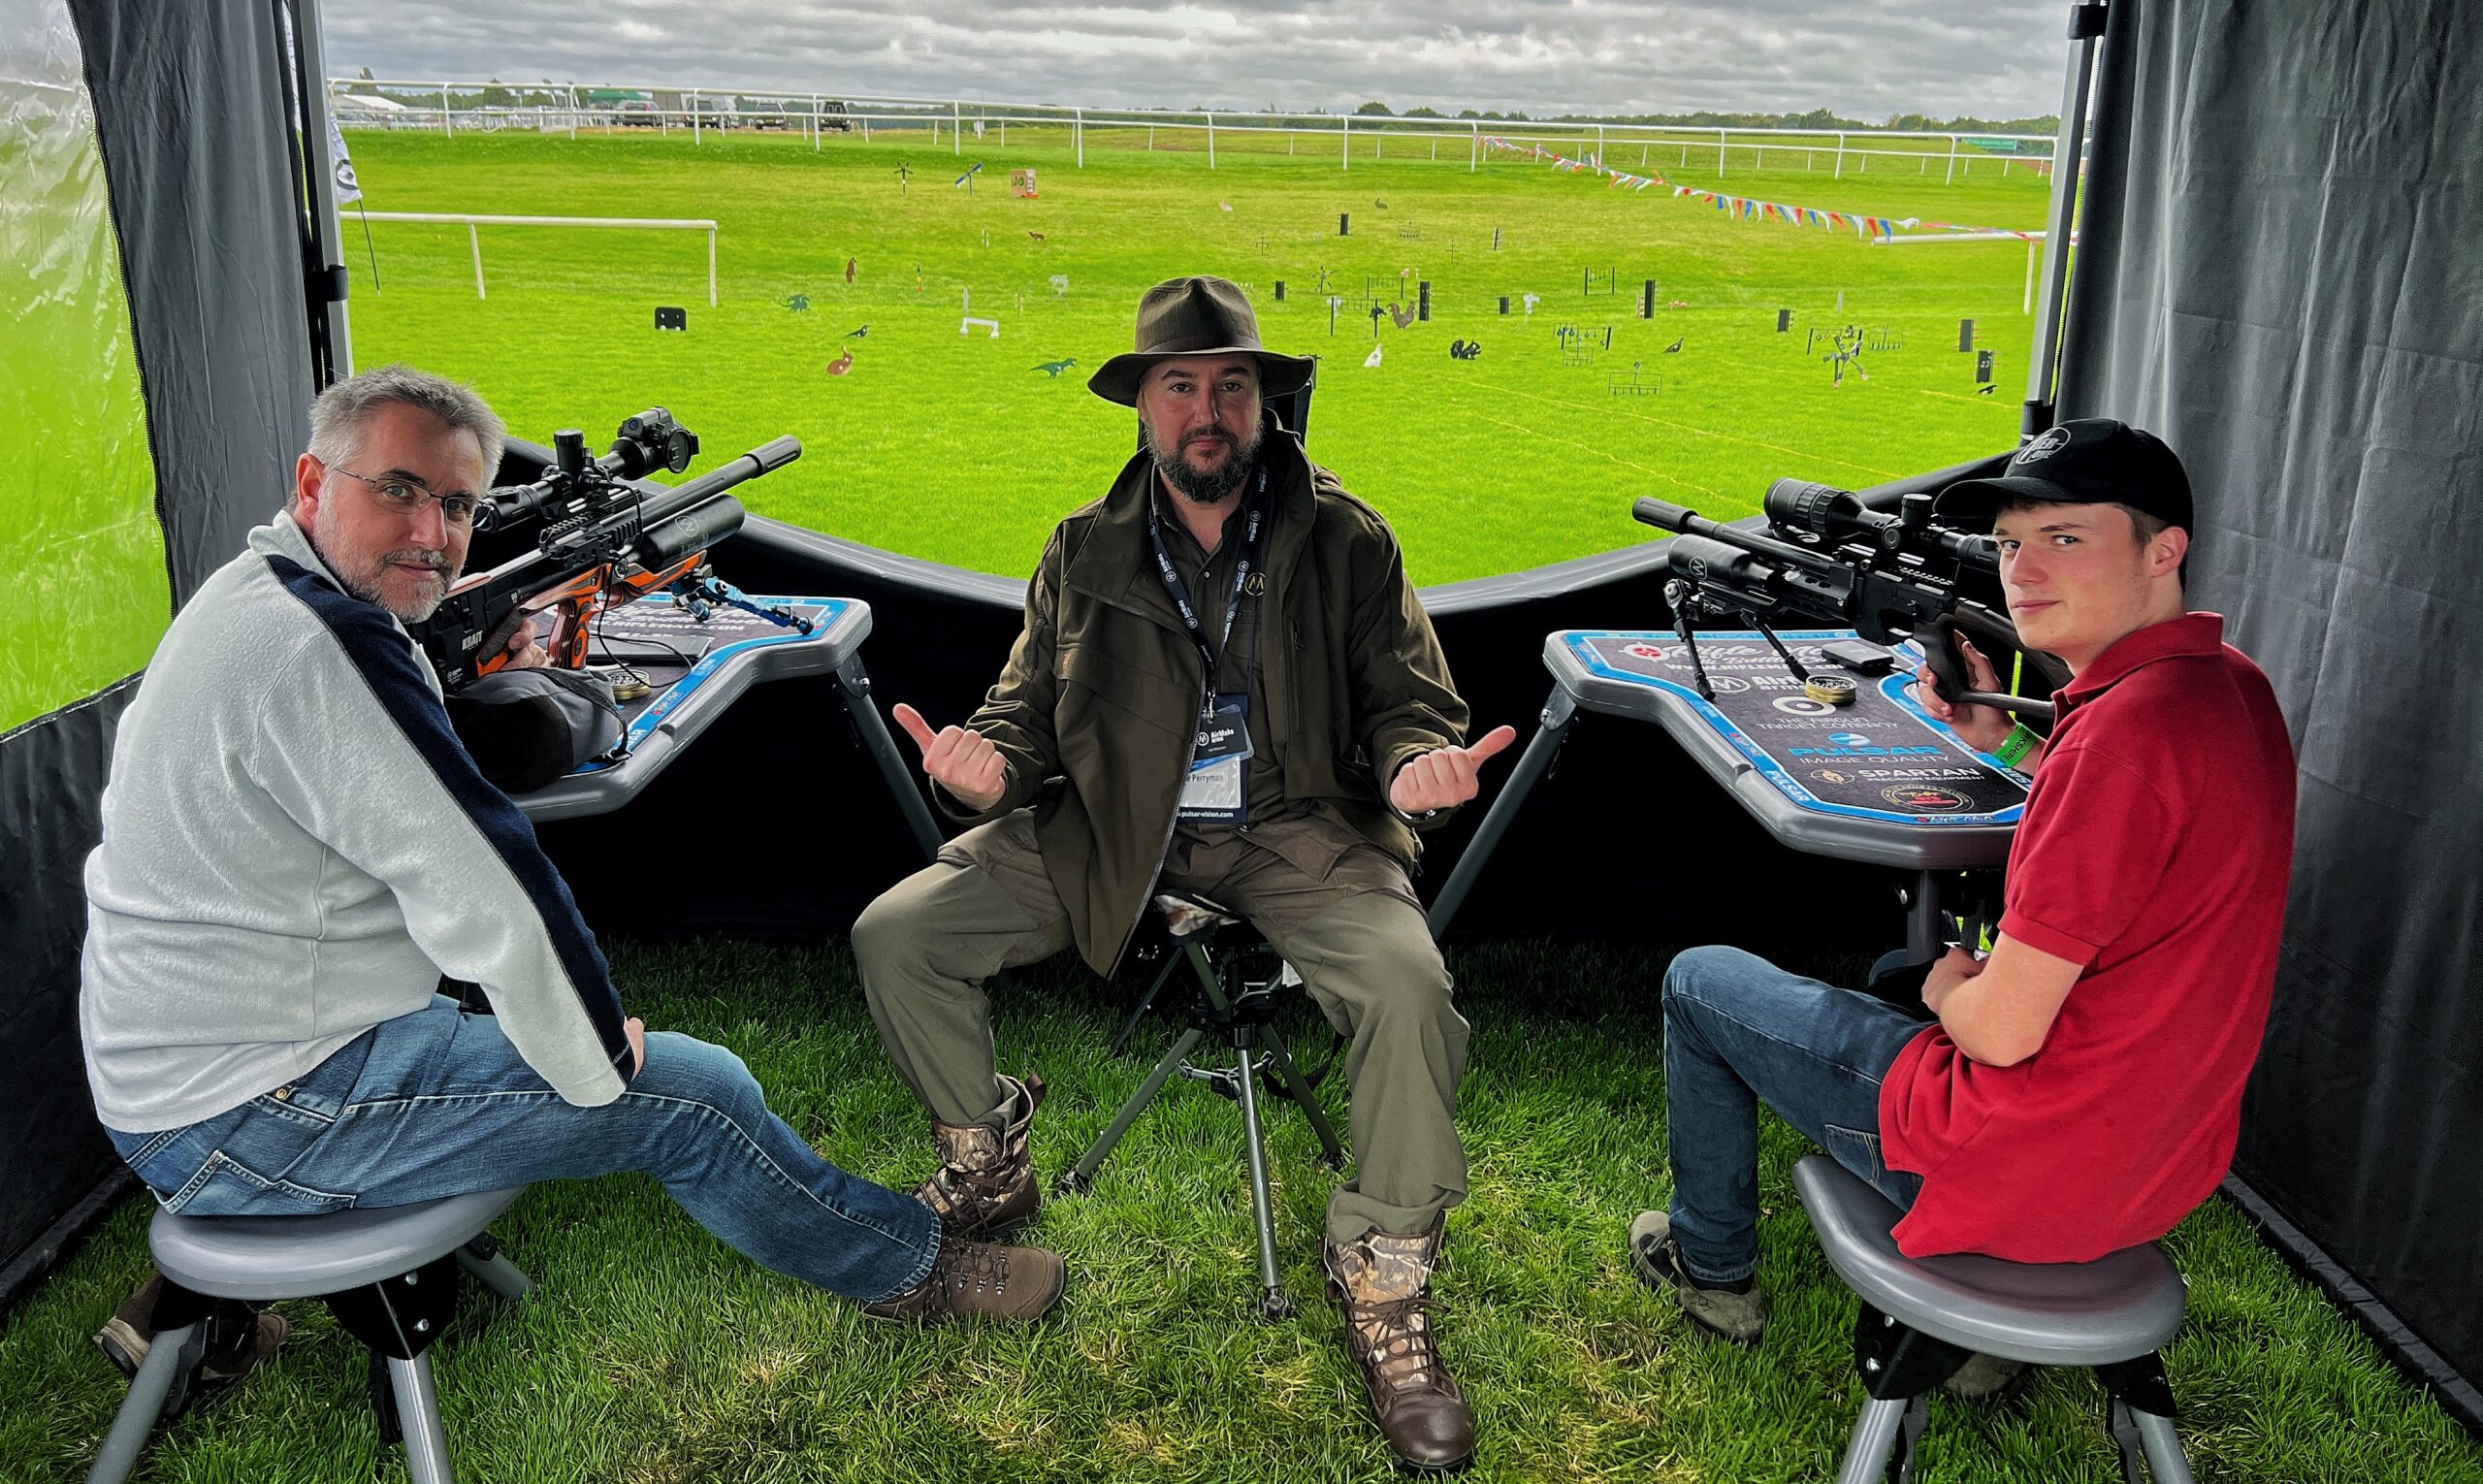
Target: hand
[(526, 651), (1445, 777), (1981, 727), (636, 1030), (1954, 968), (958, 758)]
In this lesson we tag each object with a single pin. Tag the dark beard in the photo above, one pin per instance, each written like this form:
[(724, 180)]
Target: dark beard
[(1200, 487)]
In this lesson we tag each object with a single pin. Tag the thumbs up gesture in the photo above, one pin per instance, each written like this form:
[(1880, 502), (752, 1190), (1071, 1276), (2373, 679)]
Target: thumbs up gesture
[(958, 758), (1445, 777)]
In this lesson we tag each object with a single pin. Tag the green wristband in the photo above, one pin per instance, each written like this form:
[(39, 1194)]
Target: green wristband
[(2013, 748)]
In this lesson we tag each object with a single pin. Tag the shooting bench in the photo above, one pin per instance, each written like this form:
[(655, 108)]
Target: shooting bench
[(1877, 781), (697, 668)]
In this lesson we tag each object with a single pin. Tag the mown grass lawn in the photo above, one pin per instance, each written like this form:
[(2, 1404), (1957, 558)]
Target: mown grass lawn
[(958, 448), (650, 1352)]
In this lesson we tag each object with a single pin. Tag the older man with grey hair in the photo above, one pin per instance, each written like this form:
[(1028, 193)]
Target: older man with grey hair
[(296, 849)]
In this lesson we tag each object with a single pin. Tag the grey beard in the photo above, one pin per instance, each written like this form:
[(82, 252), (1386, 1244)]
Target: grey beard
[(1200, 487)]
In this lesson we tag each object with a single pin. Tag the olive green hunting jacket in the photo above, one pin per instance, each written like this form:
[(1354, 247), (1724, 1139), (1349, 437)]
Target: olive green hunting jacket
[(1096, 712)]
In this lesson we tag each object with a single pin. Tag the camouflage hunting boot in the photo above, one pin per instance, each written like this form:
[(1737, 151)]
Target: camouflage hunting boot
[(985, 1183), (1383, 1282)]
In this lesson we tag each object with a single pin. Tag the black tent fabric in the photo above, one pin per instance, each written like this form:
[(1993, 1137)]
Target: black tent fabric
[(190, 105), (190, 116), (2328, 400)]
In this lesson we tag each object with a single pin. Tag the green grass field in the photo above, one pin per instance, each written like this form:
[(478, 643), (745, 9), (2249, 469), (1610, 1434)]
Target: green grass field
[(80, 540), (956, 448), (650, 1353)]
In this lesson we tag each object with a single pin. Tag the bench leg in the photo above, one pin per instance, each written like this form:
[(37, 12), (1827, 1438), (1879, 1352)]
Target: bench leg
[(175, 1353), (418, 1415)]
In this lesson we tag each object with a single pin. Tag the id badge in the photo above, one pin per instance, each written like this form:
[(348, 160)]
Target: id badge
[(1214, 794)]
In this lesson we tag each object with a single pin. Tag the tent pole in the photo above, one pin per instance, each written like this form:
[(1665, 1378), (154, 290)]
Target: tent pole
[(2087, 19), (332, 335)]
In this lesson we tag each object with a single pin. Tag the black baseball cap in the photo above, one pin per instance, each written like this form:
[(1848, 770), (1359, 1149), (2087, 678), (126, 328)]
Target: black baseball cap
[(2085, 461)]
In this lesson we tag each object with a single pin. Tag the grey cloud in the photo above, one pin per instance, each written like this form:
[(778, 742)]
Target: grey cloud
[(1998, 58)]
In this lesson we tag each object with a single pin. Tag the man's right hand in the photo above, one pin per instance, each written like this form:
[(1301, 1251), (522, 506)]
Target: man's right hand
[(958, 758), (1981, 727)]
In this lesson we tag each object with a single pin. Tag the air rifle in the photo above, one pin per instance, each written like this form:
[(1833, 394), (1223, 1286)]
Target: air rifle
[(1828, 556), (605, 540)]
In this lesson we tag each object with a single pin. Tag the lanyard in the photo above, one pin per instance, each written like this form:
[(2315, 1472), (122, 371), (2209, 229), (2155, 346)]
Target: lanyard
[(1240, 575)]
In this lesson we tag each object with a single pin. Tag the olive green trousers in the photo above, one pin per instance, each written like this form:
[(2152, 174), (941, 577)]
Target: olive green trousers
[(1353, 932)]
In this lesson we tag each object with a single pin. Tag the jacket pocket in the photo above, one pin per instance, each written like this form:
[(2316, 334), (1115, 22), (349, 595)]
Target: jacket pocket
[(224, 1186)]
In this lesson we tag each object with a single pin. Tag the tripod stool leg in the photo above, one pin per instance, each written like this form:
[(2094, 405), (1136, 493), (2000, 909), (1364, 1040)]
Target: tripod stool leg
[(1272, 1304), (1147, 1002), (173, 1352), (418, 1415), (1297, 1087), (482, 1257), (1082, 1174), (1875, 1438), (2163, 1444)]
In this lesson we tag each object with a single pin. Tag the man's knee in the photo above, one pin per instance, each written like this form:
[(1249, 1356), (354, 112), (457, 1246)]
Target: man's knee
[(893, 927), (687, 1070), (1697, 974)]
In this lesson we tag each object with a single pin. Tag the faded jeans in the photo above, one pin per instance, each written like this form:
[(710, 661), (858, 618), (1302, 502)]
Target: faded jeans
[(1739, 1031), (438, 1103)]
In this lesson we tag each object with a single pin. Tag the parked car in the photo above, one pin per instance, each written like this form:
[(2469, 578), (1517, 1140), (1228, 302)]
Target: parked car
[(635, 114)]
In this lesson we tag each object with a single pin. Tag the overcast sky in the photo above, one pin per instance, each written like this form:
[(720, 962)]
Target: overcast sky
[(1862, 58)]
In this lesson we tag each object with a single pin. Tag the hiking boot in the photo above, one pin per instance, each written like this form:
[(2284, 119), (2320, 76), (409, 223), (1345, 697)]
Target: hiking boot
[(236, 1337), (979, 1277), (1734, 1311), (985, 1184), (1383, 1282)]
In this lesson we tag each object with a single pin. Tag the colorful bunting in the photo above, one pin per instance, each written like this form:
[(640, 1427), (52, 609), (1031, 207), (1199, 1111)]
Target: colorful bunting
[(1743, 206)]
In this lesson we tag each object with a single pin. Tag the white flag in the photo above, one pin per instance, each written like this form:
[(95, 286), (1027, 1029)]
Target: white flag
[(348, 190)]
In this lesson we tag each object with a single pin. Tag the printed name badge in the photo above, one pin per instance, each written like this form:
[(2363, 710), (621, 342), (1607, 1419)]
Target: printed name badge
[(1213, 794)]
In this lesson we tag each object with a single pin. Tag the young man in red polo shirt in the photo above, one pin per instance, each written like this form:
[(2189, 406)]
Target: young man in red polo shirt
[(2081, 1088)]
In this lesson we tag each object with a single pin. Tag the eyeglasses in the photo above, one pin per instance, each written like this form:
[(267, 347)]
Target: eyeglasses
[(408, 496)]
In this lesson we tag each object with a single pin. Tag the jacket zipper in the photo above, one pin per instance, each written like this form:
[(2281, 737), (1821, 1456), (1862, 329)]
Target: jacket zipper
[(1164, 847)]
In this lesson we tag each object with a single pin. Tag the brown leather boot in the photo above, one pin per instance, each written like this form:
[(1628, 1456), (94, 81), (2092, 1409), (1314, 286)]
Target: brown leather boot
[(979, 1277), (1383, 1281), (985, 1184)]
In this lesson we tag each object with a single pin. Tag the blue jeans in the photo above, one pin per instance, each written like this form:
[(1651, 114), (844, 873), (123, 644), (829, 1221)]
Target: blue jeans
[(1737, 1030), (437, 1103)]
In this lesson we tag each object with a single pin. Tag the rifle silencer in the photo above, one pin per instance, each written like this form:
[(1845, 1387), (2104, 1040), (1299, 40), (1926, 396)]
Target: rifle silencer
[(1664, 515), (693, 530), (776, 453)]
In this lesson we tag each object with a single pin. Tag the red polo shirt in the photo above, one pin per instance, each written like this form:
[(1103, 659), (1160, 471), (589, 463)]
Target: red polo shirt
[(2154, 853)]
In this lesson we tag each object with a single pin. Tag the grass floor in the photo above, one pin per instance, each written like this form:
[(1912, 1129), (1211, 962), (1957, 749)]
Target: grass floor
[(652, 1353), (961, 448)]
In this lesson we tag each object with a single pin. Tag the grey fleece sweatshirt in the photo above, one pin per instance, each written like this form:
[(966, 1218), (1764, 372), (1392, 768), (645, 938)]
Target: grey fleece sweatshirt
[(296, 847)]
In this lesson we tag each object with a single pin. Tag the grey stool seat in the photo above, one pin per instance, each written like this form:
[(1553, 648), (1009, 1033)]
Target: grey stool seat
[(1922, 1317), (309, 1257), (2118, 1306), (389, 1272)]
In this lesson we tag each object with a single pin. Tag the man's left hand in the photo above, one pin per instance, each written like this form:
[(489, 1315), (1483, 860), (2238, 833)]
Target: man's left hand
[(1445, 777), (1954, 968)]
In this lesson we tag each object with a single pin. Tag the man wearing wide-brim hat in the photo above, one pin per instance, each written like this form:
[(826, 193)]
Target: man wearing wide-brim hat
[(1225, 685)]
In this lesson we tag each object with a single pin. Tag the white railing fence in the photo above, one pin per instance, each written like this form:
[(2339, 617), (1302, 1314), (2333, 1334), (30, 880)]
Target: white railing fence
[(699, 112)]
